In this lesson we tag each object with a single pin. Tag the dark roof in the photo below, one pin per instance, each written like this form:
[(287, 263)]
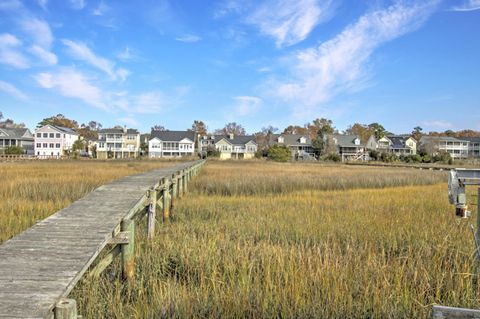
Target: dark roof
[(118, 131), (426, 139), (237, 140), (472, 139), (17, 133), (398, 141), (291, 139), (173, 136), (346, 140), (65, 129)]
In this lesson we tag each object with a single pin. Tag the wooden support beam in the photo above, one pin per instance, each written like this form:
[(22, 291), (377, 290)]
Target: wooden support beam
[(166, 203), (152, 214), (121, 238), (442, 312), (105, 262), (128, 251), (65, 309)]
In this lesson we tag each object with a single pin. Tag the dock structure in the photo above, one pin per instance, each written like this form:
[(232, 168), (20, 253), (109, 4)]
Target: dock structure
[(41, 266)]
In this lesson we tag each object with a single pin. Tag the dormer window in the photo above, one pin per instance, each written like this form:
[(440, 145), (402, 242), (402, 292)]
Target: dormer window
[(303, 140), (357, 141), (281, 139)]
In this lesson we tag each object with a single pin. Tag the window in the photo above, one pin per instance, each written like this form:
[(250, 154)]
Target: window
[(39, 145), (45, 145), (57, 135), (45, 135), (131, 137), (39, 135), (52, 135), (52, 145), (57, 145)]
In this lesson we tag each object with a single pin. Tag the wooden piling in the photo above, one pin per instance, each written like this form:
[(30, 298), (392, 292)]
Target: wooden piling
[(185, 182), (65, 309), (152, 214), (166, 202), (128, 250), (174, 196)]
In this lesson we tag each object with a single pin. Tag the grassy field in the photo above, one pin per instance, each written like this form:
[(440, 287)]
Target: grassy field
[(265, 240), (30, 192)]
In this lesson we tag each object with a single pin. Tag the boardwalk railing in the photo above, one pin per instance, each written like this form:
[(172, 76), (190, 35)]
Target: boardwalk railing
[(40, 267)]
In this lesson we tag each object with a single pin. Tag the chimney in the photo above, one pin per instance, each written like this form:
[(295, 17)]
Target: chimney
[(231, 136), (124, 129)]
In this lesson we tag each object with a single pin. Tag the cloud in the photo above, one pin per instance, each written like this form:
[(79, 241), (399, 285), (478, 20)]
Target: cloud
[(150, 102), (128, 120), (290, 21), (317, 74), (228, 7), (122, 74), (188, 38), (126, 55), (48, 57), (101, 9), (246, 105), (77, 4), (43, 4), (39, 30), (72, 83), (9, 5), (82, 52), (439, 124), (9, 52), (469, 5), (12, 90)]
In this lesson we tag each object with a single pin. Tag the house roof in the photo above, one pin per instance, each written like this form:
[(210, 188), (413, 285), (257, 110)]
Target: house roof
[(173, 136), (118, 131), (426, 139), (237, 140), (65, 129), (291, 139), (398, 141), (472, 139), (346, 140), (17, 133)]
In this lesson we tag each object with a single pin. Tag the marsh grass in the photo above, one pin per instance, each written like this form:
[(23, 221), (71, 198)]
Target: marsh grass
[(30, 192), (358, 249)]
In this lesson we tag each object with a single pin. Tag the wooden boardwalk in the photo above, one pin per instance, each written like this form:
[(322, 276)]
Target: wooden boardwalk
[(43, 264)]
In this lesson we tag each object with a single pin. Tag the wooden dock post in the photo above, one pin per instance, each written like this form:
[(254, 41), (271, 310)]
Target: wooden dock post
[(152, 213), (65, 309), (174, 196), (185, 182), (128, 250), (166, 200)]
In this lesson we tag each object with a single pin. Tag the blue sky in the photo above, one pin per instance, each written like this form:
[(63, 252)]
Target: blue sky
[(259, 63)]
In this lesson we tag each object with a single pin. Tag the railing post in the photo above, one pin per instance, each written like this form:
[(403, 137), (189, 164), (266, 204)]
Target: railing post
[(180, 184), (173, 198), (185, 182), (151, 213), (166, 205), (65, 309), (128, 250)]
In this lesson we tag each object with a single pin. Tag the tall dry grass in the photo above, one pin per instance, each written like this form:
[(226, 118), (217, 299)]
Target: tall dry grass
[(349, 249), (32, 191)]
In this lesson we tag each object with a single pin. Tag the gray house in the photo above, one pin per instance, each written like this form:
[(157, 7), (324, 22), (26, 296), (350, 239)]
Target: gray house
[(473, 146), (300, 145), (21, 137), (349, 147)]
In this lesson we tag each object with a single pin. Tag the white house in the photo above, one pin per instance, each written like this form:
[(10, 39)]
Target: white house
[(54, 141), (171, 144), (456, 147)]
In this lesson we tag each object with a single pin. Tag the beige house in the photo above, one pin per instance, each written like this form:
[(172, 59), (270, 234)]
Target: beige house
[(118, 143), (349, 147), (236, 147), (396, 144)]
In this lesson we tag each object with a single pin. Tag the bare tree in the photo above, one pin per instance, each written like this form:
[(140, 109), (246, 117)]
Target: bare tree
[(158, 128), (231, 128)]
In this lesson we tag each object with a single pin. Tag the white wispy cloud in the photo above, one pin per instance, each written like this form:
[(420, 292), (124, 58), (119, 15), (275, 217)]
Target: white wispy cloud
[(290, 21), (43, 4), (82, 52), (338, 65), (126, 55), (246, 105), (12, 90), (227, 7), (128, 120), (39, 30), (122, 74), (438, 124), (188, 38), (10, 53), (469, 5), (77, 4), (47, 57), (101, 9), (149, 102), (9, 5), (74, 84)]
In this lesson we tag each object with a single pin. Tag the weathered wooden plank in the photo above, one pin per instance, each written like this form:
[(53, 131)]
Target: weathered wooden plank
[(442, 312)]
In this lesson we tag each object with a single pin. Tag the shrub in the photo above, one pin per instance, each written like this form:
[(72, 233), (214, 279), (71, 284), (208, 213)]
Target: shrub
[(334, 157), (279, 153), (374, 155), (443, 157), (14, 150), (212, 151)]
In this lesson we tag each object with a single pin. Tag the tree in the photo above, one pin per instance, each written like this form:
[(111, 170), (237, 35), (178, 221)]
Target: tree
[(9, 123), (90, 131), (417, 133), (378, 130), (59, 120), (231, 128), (199, 127), (14, 150), (1, 115), (265, 137), (320, 127), (279, 153), (159, 128), (361, 130), (295, 129)]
